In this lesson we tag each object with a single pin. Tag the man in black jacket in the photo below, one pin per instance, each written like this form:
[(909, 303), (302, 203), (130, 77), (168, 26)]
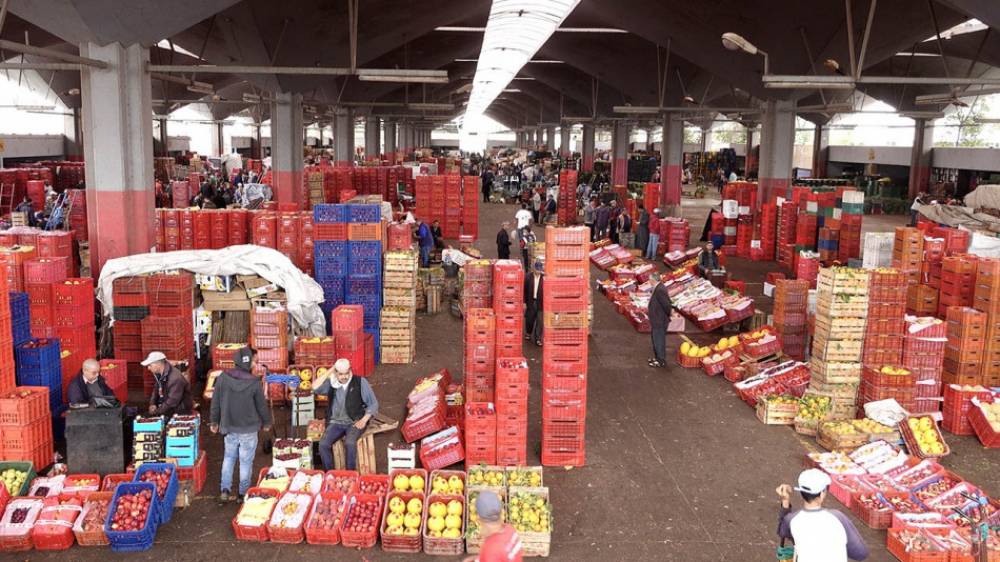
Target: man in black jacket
[(171, 389), (659, 318), (351, 404), (503, 242), (88, 384), (239, 411), (533, 298)]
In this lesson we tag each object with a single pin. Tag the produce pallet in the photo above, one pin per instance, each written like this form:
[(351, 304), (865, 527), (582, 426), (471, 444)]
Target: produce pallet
[(771, 413)]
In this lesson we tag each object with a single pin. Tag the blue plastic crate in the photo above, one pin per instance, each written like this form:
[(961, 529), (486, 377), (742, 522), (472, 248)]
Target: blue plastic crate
[(20, 331), (133, 541), (184, 455), (364, 213), (329, 213), (20, 309), (165, 507), (365, 267), (333, 296), (40, 356), (329, 268), (364, 285), (364, 249), (330, 249), (147, 424), (50, 378)]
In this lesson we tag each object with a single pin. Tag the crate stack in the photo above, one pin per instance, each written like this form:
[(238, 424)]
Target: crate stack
[(958, 282), (923, 354), (477, 289), (791, 298), (399, 298), (269, 336), (565, 346), (470, 206), (39, 364), (219, 228), (511, 403), (907, 252), (786, 227), (841, 309), (263, 229), (480, 433), (826, 243), (480, 354), (886, 311), (287, 236), (16, 257), (351, 340), (181, 443), (8, 333), (363, 285), (25, 425), (57, 244), (451, 226), (73, 306), (676, 233), (20, 319), (956, 405), (566, 212), (965, 351), (987, 299), (852, 209), (315, 350), (115, 373), (765, 235), (169, 327), (508, 307), (330, 253), (40, 274)]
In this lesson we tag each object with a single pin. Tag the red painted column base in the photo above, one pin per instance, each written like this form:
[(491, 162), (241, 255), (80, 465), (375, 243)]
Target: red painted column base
[(288, 186), (670, 185), (587, 165), (619, 171), (120, 223), (770, 188)]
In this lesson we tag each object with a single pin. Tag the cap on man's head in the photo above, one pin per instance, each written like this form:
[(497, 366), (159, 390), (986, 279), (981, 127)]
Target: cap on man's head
[(813, 481), (153, 358), (342, 366), (243, 358), (488, 506)]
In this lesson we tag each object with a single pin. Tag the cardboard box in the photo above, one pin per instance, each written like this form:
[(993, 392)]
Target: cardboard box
[(216, 302), (259, 287), (218, 283)]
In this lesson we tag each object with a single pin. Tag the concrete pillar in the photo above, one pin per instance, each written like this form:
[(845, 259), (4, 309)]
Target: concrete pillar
[(564, 150), (821, 151), (118, 147), (73, 131), (750, 161), (777, 144), (256, 147), (286, 148), (404, 142), (706, 134), (389, 140), (343, 137), (372, 134), (550, 138), (217, 145), (671, 161), (920, 157), (619, 150), (164, 138), (587, 154)]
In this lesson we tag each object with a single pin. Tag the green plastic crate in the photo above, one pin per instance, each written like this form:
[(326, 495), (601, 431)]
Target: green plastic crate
[(20, 465)]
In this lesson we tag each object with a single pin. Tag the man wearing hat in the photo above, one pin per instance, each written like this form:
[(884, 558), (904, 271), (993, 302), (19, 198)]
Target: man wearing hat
[(501, 542), (350, 405), (819, 534), (171, 390), (533, 298), (239, 411)]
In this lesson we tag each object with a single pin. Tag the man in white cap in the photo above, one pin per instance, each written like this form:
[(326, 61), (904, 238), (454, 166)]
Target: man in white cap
[(350, 405), (819, 534), (171, 389)]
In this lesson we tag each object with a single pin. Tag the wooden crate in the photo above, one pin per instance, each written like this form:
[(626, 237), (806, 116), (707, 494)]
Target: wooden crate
[(366, 446), (534, 544), (835, 372), (473, 540), (776, 414)]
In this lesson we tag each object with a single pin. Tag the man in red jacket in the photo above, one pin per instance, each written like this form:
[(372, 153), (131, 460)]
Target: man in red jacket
[(501, 542)]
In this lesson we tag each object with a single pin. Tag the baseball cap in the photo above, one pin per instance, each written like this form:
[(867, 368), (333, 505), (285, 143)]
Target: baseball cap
[(488, 506), (153, 358), (342, 365), (243, 357), (813, 481)]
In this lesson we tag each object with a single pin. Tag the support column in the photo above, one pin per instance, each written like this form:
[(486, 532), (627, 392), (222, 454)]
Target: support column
[(587, 154), (286, 148), (920, 157), (73, 131), (404, 141), (777, 144), (821, 151), (371, 137), (749, 161), (671, 161), (550, 138), (164, 138), (217, 145), (117, 103), (564, 151), (619, 150), (343, 137), (256, 147), (389, 132)]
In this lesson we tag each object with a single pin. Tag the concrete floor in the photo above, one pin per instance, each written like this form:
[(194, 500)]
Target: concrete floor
[(678, 468)]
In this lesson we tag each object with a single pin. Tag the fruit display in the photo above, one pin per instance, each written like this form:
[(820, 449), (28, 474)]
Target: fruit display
[(894, 371), (363, 516), (290, 511), (46, 487), (327, 512), (14, 480), (472, 528), (487, 476), (524, 476), (372, 486), (95, 511), (936, 488), (275, 478), (692, 350), (404, 514), (916, 474), (445, 518), (407, 483), (159, 477), (529, 511), (813, 408), (340, 481), (131, 511), (926, 437), (19, 516), (903, 504), (448, 485), (871, 502), (256, 509), (307, 482), (75, 483), (917, 542), (992, 413)]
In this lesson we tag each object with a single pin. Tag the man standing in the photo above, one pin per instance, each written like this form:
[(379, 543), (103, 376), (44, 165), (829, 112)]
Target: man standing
[(501, 542), (533, 299), (426, 241), (503, 242), (825, 535), (588, 217), (88, 384), (523, 216), (613, 222), (171, 389), (602, 219), (527, 239), (487, 180), (536, 206), (654, 235), (351, 404), (642, 229), (659, 317), (438, 236), (550, 209), (239, 411)]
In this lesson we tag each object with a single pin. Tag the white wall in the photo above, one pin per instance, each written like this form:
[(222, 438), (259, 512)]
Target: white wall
[(32, 146), (979, 159), (890, 155)]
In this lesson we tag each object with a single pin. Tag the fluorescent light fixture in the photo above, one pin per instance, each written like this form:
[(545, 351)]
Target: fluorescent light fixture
[(432, 106), (251, 98), (935, 99), (471, 29), (921, 114), (403, 78), (515, 31), (511, 91), (200, 88), (523, 78), (24, 107), (808, 82)]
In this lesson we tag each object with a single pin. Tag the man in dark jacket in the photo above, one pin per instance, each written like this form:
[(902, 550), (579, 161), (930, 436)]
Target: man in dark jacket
[(708, 261), (88, 384), (239, 412), (533, 298), (642, 229), (503, 242), (602, 220), (351, 404), (171, 389), (487, 183), (659, 317)]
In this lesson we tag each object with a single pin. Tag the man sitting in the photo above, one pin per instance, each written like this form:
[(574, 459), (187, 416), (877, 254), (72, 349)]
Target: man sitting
[(88, 384), (351, 404), (708, 261)]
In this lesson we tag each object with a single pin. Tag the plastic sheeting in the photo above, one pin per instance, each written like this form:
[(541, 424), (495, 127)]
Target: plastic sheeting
[(984, 196), (302, 292)]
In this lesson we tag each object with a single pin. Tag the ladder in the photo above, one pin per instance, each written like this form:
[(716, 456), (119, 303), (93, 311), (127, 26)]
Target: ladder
[(6, 198), (56, 217)]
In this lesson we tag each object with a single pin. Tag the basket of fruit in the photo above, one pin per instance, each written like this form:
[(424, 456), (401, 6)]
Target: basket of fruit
[(288, 518), (912, 475), (813, 408), (164, 476), (408, 480), (17, 476), (132, 517), (343, 481), (487, 475), (15, 527), (473, 539), (444, 525), (362, 518), (839, 436), (275, 478), (530, 476), (690, 355), (933, 487), (250, 523), (871, 509), (89, 526), (760, 343), (323, 524), (307, 481), (111, 481), (374, 484), (915, 545), (922, 437), (844, 486), (401, 521), (81, 484), (448, 482), (717, 362), (985, 421), (529, 511), (777, 409)]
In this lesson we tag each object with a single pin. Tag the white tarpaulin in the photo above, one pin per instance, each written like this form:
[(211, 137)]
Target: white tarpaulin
[(302, 292), (986, 195), (984, 246)]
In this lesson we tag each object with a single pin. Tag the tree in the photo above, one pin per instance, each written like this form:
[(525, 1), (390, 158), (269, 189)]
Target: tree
[(970, 130), (692, 135)]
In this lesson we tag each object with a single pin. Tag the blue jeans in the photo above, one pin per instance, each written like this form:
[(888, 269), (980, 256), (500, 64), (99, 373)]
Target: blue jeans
[(425, 259), (244, 446), (333, 433), (654, 241)]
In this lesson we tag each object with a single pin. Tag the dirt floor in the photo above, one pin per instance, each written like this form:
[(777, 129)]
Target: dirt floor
[(678, 468)]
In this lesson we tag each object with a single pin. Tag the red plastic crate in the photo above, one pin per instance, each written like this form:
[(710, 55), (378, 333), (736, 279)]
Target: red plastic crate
[(347, 317), (45, 270), (21, 411), (77, 291)]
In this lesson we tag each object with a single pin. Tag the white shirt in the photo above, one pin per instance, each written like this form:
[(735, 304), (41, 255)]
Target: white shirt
[(538, 277), (819, 537), (523, 218)]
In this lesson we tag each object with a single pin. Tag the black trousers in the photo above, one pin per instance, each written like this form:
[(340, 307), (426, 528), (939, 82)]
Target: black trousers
[(659, 336)]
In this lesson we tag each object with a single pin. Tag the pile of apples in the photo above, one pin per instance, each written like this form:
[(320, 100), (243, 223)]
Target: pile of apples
[(404, 483), (482, 477), (404, 517), (327, 514), (363, 517), (159, 477), (340, 483), (445, 520), (131, 511), (925, 433), (451, 486), (373, 487)]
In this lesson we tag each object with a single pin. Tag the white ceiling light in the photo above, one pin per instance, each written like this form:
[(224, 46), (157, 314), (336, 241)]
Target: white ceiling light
[(472, 29), (515, 31)]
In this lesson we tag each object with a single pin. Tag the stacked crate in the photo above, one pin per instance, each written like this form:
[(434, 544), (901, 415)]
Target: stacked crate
[(57, 244), (330, 253), (399, 298), (957, 403), (20, 318), (38, 364), (115, 373), (25, 425), (8, 335), (676, 233), (287, 236), (958, 282), (511, 402), (852, 209), (841, 309), (263, 229), (451, 226), (306, 243), (315, 350), (964, 353), (565, 346), (987, 299), (931, 266), (364, 264), (907, 252), (923, 354), (16, 257), (40, 274), (77, 201), (921, 300), (480, 354), (169, 328), (508, 307), (350, 340), (477, 289), (269, 336), (202, 228), (786, 227), (314, 177), (765, 237), (886, 310), (73, 306), (791, 299), (470, 206), (566, 212), (480, 433)]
